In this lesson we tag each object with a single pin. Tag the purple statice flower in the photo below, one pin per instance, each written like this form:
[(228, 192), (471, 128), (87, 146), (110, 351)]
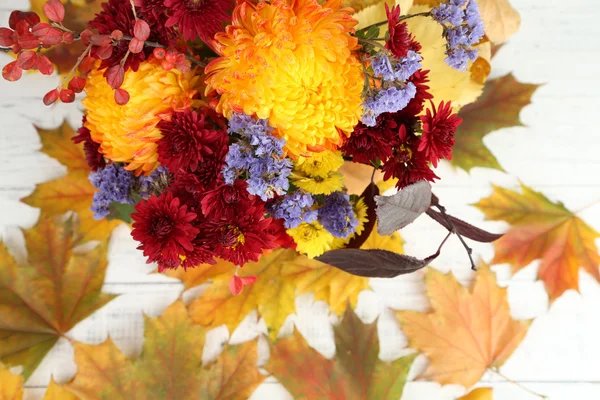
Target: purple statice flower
[(113, 183), (408, 65), (153, 183), (294, 209), (463, 28), (382, 67), (259, 155), (448, 14), (389, 100), (337, 215)]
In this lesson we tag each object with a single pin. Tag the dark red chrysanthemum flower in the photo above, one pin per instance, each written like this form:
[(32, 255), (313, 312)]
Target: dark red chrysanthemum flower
[(400, 41), (154, 13), (93, 156), (225, 201), (241, 239), (188, 139), (117, 14), (199, 18), (279, 232), (369, 143), (407, 163), (439, 127), (164, 229)]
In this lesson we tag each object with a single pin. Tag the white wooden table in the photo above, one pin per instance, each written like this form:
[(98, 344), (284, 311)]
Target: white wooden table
[(558, 153)]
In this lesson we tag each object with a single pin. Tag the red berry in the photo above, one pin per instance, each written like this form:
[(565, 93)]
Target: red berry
[(77, 84), (51, 97), (121, 96), (167, 66), (171, 55), (141, 30), (159, 53), (86, 36), (67, 95), (86, 65), (27, 60), (44, 65), (12, 72)]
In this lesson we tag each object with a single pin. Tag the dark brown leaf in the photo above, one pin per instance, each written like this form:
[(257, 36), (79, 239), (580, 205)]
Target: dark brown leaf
[(465, 229), (369, 197)]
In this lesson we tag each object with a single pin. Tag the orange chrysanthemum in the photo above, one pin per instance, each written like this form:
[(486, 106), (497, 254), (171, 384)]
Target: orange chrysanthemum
[(128, 133), (291, 62)]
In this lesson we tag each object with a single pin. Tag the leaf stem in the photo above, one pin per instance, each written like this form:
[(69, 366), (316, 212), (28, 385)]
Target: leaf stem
[(587, 206), (435, 203), (496, 370), (402, 18)]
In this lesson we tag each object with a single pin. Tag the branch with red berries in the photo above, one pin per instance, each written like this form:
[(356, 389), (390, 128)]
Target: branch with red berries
[(27, 36)]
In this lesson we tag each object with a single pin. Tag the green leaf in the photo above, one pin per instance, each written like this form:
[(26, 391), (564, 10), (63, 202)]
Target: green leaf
[(121, 212)]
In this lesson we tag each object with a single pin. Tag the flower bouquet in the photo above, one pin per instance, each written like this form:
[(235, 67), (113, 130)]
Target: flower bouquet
[(221, 130)]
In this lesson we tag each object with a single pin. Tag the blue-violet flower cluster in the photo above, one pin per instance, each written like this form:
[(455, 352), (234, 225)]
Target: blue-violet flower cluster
[(294, 209), (463, 28), (260, 155), (337, 215), (114, 184)]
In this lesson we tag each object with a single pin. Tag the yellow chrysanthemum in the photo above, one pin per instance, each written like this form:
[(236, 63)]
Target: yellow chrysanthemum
[(128, 133), (291, 62), (321, 163), (333, 182), (311, 239)]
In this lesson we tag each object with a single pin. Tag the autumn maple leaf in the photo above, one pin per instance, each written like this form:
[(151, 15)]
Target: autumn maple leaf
[(44, 297), (467, 331), (546, 231), (282, 275), (170, 366), (355, 373), (498, 107), (72, 192), (11, 388)]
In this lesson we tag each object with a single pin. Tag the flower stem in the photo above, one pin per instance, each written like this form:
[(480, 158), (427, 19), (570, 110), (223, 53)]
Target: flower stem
[(402, 18)]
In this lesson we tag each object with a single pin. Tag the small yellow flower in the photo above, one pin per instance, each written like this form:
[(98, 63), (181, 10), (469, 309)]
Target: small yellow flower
[(320, 164), (311, 239), (333, 182), (128, 133)]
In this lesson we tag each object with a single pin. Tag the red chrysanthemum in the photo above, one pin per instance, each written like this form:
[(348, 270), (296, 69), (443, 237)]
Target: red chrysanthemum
[(188, 139), (243, 238), (407, 163), (93, 156), (279, 232), (439, 127), (165, 230), (199, 18), (154, 13), (117, 14), (369, 143), (226, 201), (400, 41)]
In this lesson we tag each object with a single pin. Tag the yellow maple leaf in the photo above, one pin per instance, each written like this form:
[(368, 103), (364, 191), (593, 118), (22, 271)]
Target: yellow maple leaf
[(467, 331), (478, 394), (546, 231), (72, 192), (11, 386), (170, 366), (57, 392), (282, 275), (46, 296)]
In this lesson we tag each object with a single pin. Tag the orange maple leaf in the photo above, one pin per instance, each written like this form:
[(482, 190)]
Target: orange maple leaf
[(170, 366), (72, 192), (467, 332), (542, 230), (44, 297), (355, 373)]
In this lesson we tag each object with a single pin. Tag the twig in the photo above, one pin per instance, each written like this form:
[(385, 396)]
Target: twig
[(154, 44), (402, 18), (507, 379), (434, 202)]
